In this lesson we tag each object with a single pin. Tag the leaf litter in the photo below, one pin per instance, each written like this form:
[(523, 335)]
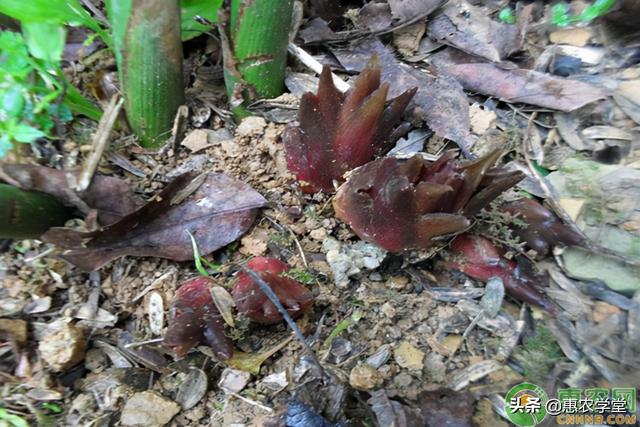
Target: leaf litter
[(160, 227)]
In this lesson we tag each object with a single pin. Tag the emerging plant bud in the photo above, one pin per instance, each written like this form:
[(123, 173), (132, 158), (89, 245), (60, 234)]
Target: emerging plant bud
[(338, 132), (479, 259), (195, 318), (403, 204), (542, 228), (251, 301)]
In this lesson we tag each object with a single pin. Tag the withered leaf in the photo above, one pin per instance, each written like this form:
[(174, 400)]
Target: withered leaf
[(440, 100), (217, 213), (445, 407), (467, 28), (515, 85), (391, 413), (404, 10), (110, 196)]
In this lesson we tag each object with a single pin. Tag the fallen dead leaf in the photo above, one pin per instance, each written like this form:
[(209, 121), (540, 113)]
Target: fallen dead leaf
[(516, 85), (481, 119), (408, 356), (404, 10), (469, 29), (444, 407), (220, 211), (391, 413), (255, 244), (407, 39), (110, 196), (376, 16), (627, 96)]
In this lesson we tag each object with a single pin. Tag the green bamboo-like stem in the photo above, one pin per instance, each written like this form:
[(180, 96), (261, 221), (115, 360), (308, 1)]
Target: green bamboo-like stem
[(28, 214), (149, 54), (258, 34)]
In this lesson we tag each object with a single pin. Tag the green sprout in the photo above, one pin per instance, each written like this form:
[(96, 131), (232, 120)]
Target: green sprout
[(507, 16), (199, 260), (561, 16), (342, 326)]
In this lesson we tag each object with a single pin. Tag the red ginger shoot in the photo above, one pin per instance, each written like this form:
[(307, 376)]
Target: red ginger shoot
[(402, 204), (338, 132), (195, 319), (251, 301), (479, 259)]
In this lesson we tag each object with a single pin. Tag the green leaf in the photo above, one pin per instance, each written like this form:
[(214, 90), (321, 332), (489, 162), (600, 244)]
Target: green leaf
[(62, 111), (342, 326), (13, 102), (208, 9), (12, 419), (507, 16), (81, 105), (5, 145), (560, 14), (598, 8), (52, 407), (25, 133), (14, 55), (45, 40), (199, 260), (52, 11)]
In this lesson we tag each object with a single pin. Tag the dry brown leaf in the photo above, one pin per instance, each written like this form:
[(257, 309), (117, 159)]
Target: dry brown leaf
[(469, 29), (516, 85), (220, 211), (110, 196)]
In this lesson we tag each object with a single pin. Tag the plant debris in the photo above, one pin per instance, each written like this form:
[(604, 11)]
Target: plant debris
[(160, 227)]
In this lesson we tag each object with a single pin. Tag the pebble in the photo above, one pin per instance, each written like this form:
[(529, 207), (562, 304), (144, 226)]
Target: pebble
[(318, 234), (62, 346), (364, 377), (15, 329), (403, 379), (388, 310), (408, 356), (234, 380), (148, 408), (251, 126), (380, 357)]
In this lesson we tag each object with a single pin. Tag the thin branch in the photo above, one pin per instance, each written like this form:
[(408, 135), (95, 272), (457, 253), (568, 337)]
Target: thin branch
[(266, 289), (100, 142), (315, 66)]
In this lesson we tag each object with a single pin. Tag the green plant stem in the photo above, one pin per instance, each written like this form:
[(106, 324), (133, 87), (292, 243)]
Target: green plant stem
[(258, 34), (28, 214), (146, 34)]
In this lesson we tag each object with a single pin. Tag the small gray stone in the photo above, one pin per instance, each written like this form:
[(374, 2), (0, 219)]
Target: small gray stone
[(148, 408)]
